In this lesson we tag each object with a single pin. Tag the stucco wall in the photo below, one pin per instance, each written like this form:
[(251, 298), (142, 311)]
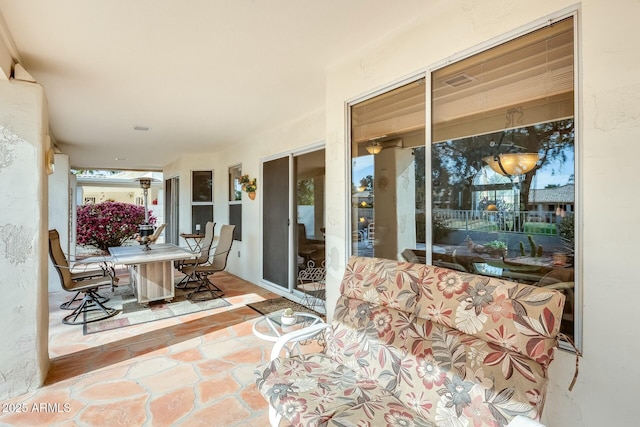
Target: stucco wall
[(608, 115), (23, 277)]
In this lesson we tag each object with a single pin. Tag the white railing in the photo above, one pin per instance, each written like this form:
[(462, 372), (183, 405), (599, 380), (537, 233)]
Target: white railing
[(514, 222)]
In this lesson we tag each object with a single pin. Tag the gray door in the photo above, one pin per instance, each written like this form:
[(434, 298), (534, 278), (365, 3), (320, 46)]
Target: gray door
[(275, 196), (171, 209)]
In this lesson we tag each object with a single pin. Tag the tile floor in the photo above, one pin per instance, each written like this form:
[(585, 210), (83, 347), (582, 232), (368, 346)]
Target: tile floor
[(192, 370)]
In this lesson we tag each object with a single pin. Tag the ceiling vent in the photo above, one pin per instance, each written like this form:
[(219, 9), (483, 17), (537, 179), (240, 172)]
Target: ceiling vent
[(459, 80)]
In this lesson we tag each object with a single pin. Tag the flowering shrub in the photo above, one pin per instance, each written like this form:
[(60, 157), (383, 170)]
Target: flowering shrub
[(108, 224)]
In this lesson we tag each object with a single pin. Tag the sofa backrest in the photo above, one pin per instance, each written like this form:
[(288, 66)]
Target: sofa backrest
[(521, 318), (455, 347)]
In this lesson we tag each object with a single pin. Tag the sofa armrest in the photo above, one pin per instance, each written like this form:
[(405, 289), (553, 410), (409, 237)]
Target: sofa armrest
[(520, 421), (297, 336)]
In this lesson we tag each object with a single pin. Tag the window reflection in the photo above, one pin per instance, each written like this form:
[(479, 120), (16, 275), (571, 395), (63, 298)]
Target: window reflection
[(502, 163)]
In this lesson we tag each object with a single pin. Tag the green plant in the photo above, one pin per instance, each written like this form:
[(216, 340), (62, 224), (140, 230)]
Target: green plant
[(535, 250), (566, 233), (441, 228), (496, 245), (288, 312), (250, 185)]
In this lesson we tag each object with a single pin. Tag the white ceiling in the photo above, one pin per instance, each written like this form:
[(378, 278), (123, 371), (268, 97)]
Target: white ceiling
[(200, 73)]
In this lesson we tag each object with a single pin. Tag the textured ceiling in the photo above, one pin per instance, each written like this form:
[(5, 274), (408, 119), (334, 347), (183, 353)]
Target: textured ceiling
[(200, 73)]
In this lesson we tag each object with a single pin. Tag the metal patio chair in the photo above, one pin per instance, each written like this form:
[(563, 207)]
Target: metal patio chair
[(218, 263), (81, 284)]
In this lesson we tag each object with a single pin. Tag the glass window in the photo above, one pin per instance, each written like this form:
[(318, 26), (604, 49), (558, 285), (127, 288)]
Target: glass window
[(503, 164), (201, 199), (388, 173), (235, 200), (202, 186)]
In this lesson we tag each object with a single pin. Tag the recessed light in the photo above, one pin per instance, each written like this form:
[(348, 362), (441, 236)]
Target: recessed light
[(141, 128), (120, 158)]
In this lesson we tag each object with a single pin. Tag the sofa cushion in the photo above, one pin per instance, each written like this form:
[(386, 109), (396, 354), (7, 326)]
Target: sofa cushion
[(367, 338), (521, 318), (457, 378), (383, 282), (311, 389), (386, 411)]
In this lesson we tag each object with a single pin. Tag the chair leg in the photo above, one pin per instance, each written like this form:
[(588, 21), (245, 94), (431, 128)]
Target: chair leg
[(184, 282), (76, 298), (205, 285), (90, 302)]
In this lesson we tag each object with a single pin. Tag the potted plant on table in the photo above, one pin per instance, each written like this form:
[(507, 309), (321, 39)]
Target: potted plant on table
[(288, 316)]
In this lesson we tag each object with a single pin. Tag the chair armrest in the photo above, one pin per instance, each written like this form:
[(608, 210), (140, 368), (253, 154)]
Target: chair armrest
[(297, 336), (520, 421)]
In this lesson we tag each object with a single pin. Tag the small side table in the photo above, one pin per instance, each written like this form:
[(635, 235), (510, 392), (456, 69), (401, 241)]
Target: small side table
[(193, 241), (270, 328)]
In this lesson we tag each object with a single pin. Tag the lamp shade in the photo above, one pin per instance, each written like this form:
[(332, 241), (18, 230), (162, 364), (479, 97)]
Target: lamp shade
[(509, 164), (374, 148)]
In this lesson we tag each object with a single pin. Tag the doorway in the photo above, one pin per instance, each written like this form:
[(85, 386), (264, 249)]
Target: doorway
[(293, 218)]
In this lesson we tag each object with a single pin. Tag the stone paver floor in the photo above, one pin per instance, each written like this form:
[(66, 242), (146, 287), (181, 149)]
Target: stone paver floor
[(192, 370)]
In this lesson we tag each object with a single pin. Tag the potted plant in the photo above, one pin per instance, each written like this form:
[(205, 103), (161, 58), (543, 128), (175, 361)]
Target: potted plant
[(288, 316), (250, 185)]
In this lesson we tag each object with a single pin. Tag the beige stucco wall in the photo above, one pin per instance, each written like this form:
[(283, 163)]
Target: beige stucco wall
[(607, 146), (23, 235)]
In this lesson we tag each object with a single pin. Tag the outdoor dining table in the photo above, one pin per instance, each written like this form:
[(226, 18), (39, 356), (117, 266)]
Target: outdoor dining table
[(151, 271)]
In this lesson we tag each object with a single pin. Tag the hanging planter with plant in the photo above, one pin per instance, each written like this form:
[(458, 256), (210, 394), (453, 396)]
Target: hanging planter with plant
[(249, 185)]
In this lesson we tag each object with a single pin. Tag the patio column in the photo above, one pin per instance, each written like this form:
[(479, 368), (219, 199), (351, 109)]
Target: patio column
[(24, 322)]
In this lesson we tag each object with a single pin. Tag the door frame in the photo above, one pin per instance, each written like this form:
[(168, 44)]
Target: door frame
[(293, 217)]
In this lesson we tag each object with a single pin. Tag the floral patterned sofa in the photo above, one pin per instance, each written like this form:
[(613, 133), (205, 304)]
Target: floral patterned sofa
[(418, 345)]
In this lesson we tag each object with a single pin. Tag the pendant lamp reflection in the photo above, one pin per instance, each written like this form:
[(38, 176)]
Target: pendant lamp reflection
[(374, 148), (510, 164)]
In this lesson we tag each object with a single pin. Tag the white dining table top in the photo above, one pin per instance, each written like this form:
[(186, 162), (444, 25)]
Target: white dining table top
[(156, 253)]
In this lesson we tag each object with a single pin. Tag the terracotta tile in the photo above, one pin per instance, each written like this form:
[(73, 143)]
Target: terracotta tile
[(111, 390), (187, 356), (110, 357), (214, 367), (249, 355), (179, 376), (221, 414), (127, 412), (106, 374), (217, 387), (197, 368), (252, 397), (169, 408), (150, 367), (243, 329)]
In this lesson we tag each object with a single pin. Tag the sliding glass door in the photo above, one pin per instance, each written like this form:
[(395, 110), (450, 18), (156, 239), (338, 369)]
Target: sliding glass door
[(293, 217), (276, 220)]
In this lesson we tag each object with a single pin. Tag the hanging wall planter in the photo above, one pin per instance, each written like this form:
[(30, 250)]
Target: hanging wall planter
[(249, 185)]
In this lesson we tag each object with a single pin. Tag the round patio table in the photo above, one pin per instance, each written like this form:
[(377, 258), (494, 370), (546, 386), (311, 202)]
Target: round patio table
[(269, 327)]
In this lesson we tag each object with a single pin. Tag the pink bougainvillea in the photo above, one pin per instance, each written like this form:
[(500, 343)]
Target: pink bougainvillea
[(109, 224)]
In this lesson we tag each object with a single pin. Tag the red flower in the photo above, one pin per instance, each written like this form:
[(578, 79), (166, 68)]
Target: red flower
[(108, 224)]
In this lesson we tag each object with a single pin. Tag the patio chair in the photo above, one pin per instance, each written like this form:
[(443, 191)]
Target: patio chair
[(205, 252), (87, 285), (218, 263), (156, 234), (311, 281)]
